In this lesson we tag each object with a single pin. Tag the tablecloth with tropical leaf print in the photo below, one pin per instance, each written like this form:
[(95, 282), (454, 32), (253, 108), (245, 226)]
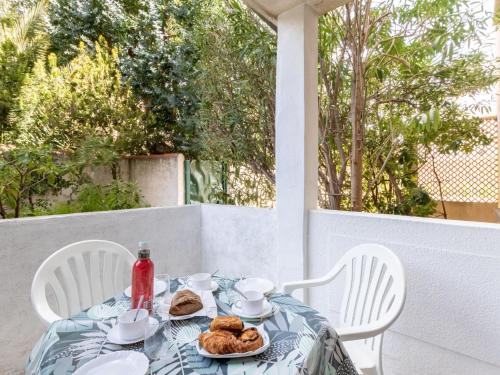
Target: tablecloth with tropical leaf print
[(302, 342)]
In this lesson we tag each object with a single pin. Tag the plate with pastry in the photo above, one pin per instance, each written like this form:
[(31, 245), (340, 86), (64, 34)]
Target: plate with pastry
[(186, 304), (230, 337)]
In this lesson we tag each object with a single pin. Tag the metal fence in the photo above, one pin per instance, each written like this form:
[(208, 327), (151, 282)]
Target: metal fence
[(464, 177)]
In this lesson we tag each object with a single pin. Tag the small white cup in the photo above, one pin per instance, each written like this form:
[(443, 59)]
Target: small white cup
[(200, 281), (130, 330), (253, 305)]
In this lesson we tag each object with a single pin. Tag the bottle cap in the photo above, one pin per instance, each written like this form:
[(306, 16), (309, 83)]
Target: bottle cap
[(143, 245)]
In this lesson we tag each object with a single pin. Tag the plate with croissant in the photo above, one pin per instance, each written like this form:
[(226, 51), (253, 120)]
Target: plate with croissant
[(230, 337)]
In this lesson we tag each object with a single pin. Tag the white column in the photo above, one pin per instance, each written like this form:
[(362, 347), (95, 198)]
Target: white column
[(296, 136)]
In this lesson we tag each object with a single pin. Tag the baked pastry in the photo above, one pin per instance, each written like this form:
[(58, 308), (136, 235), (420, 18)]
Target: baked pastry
[(219, 342), (227, 336), (185, 302), (250, 340), (227, 323)]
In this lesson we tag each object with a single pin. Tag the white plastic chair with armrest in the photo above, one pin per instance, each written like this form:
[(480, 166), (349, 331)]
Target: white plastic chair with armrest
[(374, 296), (80, 275)]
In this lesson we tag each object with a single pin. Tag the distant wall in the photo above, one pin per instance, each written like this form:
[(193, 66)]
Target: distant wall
[(239, 241), (160, 177), (173, 233), (472, 211)]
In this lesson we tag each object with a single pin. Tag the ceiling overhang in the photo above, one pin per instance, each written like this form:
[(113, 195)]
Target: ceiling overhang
[(271, 9)]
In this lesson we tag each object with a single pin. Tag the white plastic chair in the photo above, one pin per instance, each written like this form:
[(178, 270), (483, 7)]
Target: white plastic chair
[(374, 296), (80, 275)]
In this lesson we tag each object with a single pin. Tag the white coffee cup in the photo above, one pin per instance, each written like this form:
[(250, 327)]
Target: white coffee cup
[(200, 281), (129, 329), (253, 305)]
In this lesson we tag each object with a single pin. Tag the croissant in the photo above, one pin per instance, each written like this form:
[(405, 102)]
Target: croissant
[(185, 302), (227, 323), (219, 342)]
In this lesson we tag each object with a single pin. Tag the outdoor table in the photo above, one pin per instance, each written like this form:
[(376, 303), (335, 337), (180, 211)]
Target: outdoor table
[(302, 341)]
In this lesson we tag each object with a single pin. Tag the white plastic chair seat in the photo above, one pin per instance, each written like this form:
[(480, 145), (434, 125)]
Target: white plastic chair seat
[(78, 276), (364, 360)]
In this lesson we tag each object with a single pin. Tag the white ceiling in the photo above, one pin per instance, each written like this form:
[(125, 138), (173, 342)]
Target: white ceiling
[(272, 8)]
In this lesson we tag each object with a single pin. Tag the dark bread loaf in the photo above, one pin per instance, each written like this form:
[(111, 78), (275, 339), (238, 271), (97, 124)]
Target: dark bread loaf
[(185, 302)]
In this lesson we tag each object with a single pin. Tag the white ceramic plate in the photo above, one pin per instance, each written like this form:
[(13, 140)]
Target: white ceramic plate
[(260, 328), (114, 337), (117, 363), (268, 311), (255, 283), (159, 288)]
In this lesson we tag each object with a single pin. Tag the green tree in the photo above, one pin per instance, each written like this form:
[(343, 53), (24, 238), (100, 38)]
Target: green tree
[(391, 76), (24, 173), (64, 106), (22, 41), (237, 96), (157, 58)]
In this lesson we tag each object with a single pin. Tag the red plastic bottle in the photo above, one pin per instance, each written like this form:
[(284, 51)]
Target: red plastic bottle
[(143, 278)]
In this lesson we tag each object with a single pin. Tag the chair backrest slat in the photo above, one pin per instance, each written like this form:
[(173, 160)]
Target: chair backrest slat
[(83, 280), (95, 276), (60, 295), (76, 286), (71, 288), (346, 299), (107, 274), (118, 274)]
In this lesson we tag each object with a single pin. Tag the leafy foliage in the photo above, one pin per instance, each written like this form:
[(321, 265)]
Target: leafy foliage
[(393, 84), (22, 41), (157, 58), (65, 105), (236, 88), (118, 195), (24, 173), (415, 67)]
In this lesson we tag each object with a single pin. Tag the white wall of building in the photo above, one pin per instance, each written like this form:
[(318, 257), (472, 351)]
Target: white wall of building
[(159, 177), (173, 233), (239, 241)]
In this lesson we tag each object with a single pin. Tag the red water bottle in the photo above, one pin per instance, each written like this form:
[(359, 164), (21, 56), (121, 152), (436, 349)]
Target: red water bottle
[(143, 278)]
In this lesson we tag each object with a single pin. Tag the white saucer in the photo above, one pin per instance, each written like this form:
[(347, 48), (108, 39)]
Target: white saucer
[(116, 363), (268, 311), (213, 287), (159, 288), (114, 337), (255, 283)]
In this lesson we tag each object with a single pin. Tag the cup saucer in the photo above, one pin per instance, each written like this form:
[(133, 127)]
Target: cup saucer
[(114, 337), (266, 312), (213, 287)]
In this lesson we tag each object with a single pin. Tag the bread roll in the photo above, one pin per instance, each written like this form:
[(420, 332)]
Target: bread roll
[(185, 302)]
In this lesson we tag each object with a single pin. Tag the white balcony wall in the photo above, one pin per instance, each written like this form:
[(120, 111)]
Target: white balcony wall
[(239, 241), (450, 324), (173, 233)]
